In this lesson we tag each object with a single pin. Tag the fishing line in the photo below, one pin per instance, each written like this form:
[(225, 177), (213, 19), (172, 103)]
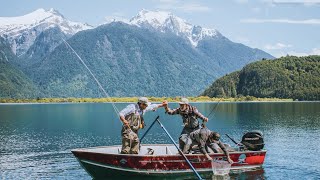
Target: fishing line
[(204, 123), (214, 108), (99, 84)]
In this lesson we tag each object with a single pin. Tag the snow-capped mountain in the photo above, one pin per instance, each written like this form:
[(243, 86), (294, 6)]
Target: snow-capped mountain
[(168, 22), (22, 31), (153, 47)]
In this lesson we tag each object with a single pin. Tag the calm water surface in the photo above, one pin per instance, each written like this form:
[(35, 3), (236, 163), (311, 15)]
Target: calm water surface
[(36, 139)]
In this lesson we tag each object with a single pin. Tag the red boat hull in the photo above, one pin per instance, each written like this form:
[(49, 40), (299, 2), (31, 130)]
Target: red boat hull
[(102, 164)]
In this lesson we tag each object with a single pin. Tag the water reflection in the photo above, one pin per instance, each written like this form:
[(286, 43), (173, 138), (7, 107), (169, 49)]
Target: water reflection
[(255, 174), (35, 140)]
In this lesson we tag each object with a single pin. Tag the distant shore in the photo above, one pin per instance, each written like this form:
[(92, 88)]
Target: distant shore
[(134, 99)]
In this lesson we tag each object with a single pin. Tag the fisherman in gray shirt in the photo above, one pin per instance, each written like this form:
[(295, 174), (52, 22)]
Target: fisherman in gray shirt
[(205, 138), (132, 119)]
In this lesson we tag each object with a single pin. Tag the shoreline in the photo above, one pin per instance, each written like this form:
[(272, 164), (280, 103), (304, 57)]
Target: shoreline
[(201, 99), (37, 103)]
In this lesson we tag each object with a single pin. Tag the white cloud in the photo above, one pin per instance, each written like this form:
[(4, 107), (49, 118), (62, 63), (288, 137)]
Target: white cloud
[(286, 21), (291, 53), (314, 51), (291, 2), (296, 1), (277, 46)]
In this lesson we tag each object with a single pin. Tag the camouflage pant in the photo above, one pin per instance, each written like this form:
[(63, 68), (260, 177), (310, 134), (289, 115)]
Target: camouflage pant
[(130, 142), (184, 136), (188, 145)]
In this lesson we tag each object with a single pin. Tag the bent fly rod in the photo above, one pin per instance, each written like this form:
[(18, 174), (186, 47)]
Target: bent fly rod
[(94, 77)]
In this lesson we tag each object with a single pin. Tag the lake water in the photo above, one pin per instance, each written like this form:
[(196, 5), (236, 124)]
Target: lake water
[(36, 139)]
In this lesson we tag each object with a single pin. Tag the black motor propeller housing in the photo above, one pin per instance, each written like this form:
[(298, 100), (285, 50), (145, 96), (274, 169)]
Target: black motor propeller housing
[(253, 140)]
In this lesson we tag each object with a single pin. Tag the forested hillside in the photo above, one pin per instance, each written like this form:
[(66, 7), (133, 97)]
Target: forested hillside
[(286, 77), (13, 82)]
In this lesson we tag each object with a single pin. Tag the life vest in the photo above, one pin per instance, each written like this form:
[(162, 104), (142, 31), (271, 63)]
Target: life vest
[(190, 119), (135, 120)]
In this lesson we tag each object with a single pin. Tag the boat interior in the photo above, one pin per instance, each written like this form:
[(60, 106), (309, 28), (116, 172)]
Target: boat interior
[(146, 149)]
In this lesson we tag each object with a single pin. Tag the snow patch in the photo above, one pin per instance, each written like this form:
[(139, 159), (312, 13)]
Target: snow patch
[(167, 22), (21, 31)]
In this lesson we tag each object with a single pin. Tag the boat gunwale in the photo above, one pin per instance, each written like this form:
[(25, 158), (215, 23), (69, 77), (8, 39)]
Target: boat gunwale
[(83, 150)]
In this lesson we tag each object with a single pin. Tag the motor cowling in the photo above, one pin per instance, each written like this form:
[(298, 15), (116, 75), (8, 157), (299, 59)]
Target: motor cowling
[(253, 140)]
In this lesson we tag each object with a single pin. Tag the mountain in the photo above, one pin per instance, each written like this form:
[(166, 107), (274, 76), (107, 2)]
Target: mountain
[(286, 77), (13, 82), (23, 30), (128, 61), (42, 46), (229, 56), (153, 54), (167, 22), (226, 56)]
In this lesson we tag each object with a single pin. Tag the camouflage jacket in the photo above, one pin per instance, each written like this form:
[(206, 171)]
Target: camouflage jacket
[(189, 116), (201, 137)]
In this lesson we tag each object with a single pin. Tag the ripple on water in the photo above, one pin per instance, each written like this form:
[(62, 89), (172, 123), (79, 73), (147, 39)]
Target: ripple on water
[(36, 140)]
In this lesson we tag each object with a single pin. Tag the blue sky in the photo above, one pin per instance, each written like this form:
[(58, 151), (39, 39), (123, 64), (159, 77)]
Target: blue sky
[(279, 27)]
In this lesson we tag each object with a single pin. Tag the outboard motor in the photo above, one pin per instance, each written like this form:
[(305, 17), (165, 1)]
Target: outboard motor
[(253, 140)]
